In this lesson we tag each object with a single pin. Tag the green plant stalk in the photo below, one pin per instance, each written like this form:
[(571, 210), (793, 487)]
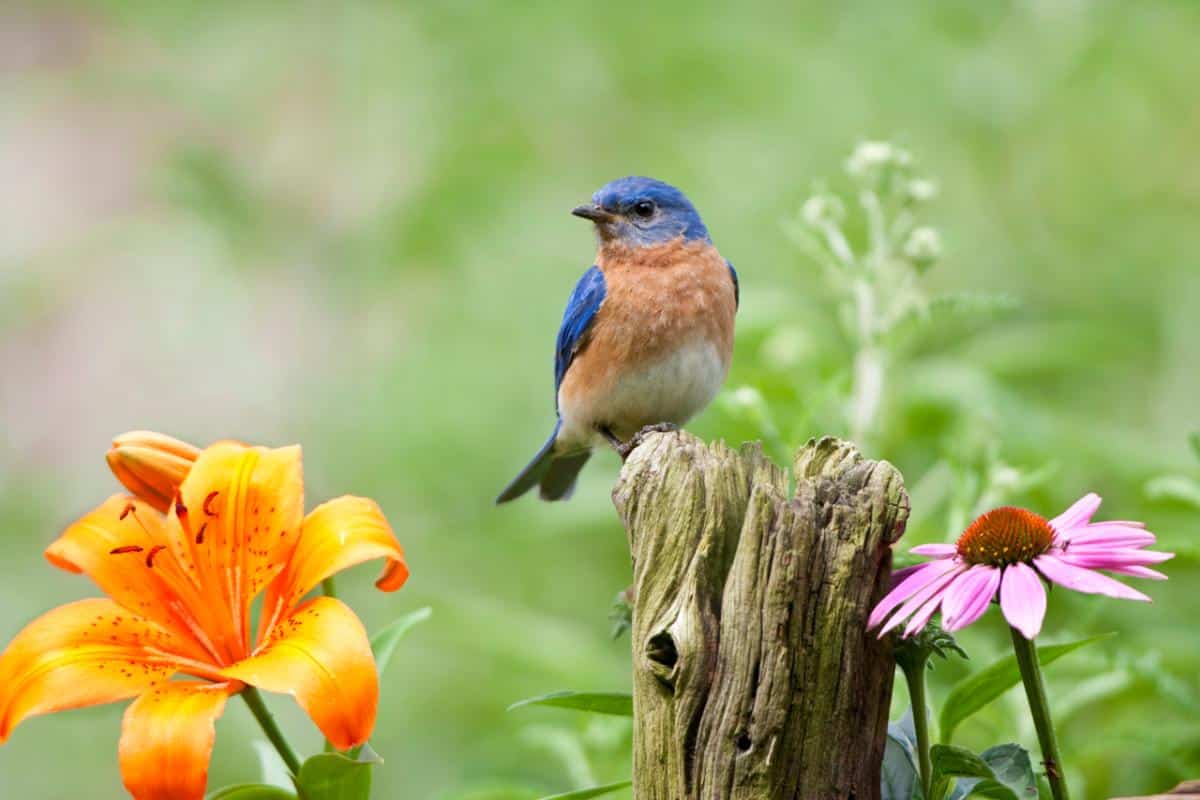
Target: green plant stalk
[(329, 589), (914, 676), (1039, 709), (267, 722)]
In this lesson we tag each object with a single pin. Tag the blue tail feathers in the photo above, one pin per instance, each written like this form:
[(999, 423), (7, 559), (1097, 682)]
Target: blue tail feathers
[(554, 473), (559, 481)]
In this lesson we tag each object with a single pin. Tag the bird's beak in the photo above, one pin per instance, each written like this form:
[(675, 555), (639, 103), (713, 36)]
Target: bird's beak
[(593, 212)]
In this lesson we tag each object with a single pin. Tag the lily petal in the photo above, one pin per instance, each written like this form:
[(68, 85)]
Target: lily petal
[(235, 526), (321, 655), (1023, 599), (1080, 513), (151, 465), (167, 739), (148, 583), (1084, 580), (82, 654), (334, 536)]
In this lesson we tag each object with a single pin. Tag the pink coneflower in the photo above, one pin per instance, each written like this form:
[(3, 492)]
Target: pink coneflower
[(1010, 550)]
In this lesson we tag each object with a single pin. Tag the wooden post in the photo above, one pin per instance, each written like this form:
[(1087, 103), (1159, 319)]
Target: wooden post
[(754, 676)]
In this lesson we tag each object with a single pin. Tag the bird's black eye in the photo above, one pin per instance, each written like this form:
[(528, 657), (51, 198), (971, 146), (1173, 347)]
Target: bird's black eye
[(644, 209)]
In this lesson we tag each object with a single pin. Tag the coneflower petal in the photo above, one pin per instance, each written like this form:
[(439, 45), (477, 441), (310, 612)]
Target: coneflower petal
[(1105, 535), (1139, 572), (939, 550), (1081, 579), (1110, 559), (920, 598), (1078, 514), (968, 597), (1023, 599), (920, 577)]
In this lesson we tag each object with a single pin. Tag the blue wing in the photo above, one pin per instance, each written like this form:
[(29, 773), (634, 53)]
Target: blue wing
[(577, 319), (737, 290)]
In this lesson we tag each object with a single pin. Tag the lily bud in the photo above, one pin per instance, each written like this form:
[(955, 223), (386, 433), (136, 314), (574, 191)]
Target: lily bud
[(151, 465)]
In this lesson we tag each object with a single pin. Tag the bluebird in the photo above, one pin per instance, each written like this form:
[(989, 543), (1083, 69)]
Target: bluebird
[(647, 335)]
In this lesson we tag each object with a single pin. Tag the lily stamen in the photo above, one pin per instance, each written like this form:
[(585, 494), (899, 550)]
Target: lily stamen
[(158, 548)]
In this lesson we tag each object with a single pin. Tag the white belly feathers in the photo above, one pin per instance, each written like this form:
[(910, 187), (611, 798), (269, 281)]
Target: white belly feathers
[(671, 389)]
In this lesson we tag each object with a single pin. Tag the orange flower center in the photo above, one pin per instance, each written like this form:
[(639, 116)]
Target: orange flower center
[(1005, 536)]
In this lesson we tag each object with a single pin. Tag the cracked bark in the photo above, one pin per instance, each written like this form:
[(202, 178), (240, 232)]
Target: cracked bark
[(754, 676)]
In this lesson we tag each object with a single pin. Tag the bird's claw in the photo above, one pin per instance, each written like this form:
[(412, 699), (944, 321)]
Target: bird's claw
[(625, 448)]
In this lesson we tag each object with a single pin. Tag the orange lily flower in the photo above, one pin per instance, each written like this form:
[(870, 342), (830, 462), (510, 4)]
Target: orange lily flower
[(151, 465), (180, 589)]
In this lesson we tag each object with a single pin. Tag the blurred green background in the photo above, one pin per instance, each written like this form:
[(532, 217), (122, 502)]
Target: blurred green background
[(346, 225)]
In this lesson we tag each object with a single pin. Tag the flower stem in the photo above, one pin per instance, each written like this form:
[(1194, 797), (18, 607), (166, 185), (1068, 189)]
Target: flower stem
[(329, 589), (1035, 691), (914, 676), (259, 709)]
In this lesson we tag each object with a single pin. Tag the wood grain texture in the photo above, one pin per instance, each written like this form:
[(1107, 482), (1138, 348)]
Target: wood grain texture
[(754, 676)]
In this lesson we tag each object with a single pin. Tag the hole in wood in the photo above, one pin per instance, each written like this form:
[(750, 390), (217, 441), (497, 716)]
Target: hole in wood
[(742, 742), (661, 650)]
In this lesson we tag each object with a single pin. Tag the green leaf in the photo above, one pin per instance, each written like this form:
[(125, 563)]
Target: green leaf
[(333, 776), (251, 791), (1012, 769), (976, 691), (1012, 776), (621, 615), (948, 759), (383, 643), (595, 791), (1194, 441), (272, 770), (951, 762), (900, 778), (614, 703)]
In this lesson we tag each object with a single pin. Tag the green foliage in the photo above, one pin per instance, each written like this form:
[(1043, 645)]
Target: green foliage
[(917, 650), (595, 791), (982, 687), (1003, 772), (251, 791), (620, 615), (346, 225), (901, 778), (384, 641), (333, 776), (614, 703)]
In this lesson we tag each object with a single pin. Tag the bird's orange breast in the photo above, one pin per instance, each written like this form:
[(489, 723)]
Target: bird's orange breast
[(659, 301)]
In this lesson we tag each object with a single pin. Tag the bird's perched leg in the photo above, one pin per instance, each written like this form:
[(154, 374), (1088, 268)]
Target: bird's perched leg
[(625, 448), (612, 439)]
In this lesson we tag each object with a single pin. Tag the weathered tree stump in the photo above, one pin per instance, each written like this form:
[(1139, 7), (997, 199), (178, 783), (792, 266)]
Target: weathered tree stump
[(754, 675)]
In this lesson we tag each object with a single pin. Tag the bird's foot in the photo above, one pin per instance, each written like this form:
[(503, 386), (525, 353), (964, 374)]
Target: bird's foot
[(625, 448)]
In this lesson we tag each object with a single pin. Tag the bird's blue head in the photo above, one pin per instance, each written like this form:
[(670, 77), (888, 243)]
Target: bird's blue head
[(642, 212)]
